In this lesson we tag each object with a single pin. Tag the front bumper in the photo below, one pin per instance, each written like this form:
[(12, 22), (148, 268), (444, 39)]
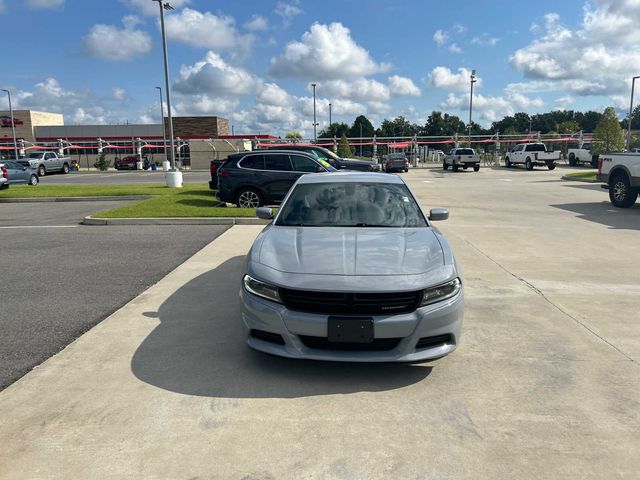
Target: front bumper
[(440, 319)]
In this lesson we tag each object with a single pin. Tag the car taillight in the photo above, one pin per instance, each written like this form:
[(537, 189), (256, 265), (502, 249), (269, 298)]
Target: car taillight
[(600, 165), (223, 173), (214, 168), (4, 172)]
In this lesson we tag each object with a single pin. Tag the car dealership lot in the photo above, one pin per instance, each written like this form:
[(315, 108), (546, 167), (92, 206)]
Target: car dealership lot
[(545, 383)]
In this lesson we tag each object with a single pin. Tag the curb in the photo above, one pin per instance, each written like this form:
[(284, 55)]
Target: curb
[(76, 199), (89, 220), (576, 179)]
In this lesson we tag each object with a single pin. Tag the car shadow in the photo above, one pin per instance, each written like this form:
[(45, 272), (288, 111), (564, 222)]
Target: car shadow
[(606, 214), (199, 349)]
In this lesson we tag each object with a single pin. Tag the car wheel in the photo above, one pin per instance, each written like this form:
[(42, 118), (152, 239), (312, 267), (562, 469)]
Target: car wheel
[(65, 168), (551, 166), (445, 166), (4, 186), (528, 164), (34, 180), (476, 168), (248, 198), (454, 167), (572, 160), (621, 193), (507, 162), (406, 170), (42, 171)]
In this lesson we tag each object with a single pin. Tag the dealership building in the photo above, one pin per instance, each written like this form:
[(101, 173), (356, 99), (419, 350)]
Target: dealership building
[(198, 140)]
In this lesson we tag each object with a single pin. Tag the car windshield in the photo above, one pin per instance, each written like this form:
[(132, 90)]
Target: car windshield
[(35, 155), (396, 156), (465, 151), (351, 204), (536, 147)]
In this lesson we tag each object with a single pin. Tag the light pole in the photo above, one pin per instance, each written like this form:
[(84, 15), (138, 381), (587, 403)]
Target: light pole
[(360, 138), (473, 80), (329, 116), (628, 141), (170, 180), (13, 125), (315, 138), (164, 131)]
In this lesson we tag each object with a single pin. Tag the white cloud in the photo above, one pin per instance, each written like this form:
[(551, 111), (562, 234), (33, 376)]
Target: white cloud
[(214, 76), (491, 108), (272, 94), (440, 37), (403, 86), (598, 58), (45, 3), (325, 52), (118, 94), (257, 24), (361, 89), (454, 48), (288, 10), (2, 6), (485, 40), (112, 43), (443, 77), (205, 30), (149, 8)]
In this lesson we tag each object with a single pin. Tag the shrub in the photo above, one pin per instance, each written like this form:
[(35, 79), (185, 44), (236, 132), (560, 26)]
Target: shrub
[(102, 163)]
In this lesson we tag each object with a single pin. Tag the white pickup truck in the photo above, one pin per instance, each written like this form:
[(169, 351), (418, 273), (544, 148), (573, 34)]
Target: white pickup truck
[(582, 154), (620, 173), (46, 162), (461, 157), (530, 155)]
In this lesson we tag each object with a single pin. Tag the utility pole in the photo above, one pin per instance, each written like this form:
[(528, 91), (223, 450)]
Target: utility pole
[(329, 116), (164, 131), (13, 125), (628, 139), (473, 80), (315, 137)]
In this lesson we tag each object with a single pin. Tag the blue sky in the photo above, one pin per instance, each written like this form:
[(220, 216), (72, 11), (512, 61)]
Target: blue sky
[(253, 61)]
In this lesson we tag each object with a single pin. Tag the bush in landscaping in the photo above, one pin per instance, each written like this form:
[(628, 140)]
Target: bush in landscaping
[(344, 150), (102, 163)]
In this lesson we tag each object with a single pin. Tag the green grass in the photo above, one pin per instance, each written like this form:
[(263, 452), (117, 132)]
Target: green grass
[(591, 175), (192, 201), (25, 191)]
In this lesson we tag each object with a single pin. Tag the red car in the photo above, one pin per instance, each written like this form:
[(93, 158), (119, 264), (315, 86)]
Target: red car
[(126, 163)]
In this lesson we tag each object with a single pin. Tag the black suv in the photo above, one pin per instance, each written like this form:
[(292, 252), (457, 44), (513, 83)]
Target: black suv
[(264, 177), (334, 160)]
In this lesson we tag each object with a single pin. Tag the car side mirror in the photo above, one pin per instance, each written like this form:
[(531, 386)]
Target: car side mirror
[(438, 214), (265, 213)]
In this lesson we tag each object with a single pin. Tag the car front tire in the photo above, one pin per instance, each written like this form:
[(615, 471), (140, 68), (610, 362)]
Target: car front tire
[(445, 166), (507, 162), (528, 164), (65, 168), (476, 168), (42, 171), (621, 193), (34, 180), (572, 160)]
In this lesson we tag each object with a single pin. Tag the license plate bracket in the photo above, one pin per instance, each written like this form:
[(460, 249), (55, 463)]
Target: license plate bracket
[(350, 330)]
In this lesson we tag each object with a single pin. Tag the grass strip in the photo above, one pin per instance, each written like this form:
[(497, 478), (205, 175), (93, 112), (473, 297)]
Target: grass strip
[(591, 175)]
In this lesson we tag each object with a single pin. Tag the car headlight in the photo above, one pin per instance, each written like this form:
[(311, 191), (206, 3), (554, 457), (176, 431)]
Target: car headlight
[(261, 289), (441, 292)]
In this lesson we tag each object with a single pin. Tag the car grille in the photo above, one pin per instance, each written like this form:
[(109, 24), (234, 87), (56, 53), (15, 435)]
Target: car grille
[(323, 343), (338, 303)]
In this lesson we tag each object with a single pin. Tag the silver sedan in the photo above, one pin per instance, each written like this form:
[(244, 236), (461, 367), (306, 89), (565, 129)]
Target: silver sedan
[(351, 269)]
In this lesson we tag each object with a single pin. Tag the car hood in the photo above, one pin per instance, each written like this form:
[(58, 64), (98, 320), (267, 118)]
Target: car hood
[(350, 251)]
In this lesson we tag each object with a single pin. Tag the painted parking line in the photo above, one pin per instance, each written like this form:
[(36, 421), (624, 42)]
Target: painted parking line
[(38, 226)]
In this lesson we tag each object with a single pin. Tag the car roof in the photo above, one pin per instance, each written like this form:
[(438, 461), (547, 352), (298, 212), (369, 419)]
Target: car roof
[(270, 152), (348, 177)]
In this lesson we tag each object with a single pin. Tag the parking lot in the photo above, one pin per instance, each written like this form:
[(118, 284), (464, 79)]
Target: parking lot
[(545, 384), (117, 178)]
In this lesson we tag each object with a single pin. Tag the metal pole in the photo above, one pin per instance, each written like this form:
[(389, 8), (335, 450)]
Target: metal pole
[(473, 80), (329, 116), (315, 138), (628, 142), (166, 81), (13, 126), (164, 132), (360, 138)]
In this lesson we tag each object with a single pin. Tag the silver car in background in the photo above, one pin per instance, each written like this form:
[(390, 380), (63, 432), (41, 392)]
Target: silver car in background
[(351, 269), (13, 173)]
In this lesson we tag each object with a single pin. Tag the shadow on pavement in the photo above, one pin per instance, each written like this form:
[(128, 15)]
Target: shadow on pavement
[(199, 349), (606, 214)]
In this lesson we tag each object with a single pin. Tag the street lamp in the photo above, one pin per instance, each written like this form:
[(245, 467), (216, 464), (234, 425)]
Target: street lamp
[(174, 178), (329, 115), (164, 132), (315, 137), (13, 125), (473, 80), (628, 140)]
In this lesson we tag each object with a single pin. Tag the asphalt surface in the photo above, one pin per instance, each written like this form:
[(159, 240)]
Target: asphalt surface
[(60, 278), (115, 178)]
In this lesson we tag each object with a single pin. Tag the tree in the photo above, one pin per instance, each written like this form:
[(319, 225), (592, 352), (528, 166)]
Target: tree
[(607, 136), (568, 126), (367, 128), (344, 150), (334, 130), (443, 125), (398, 127), (293, 135)]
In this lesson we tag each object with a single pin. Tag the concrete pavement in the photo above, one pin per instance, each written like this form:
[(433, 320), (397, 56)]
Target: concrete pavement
[(546, 382)]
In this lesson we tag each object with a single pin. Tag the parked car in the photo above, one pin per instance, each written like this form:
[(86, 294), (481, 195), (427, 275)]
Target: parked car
[(46, 162), (530, 155), (396, 162), (461, 157), (389, 291), (334, 160), (4, 175), (263, 177), (215, 166), (582, 154), (17, 173), (620, 173), (126, 163)]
